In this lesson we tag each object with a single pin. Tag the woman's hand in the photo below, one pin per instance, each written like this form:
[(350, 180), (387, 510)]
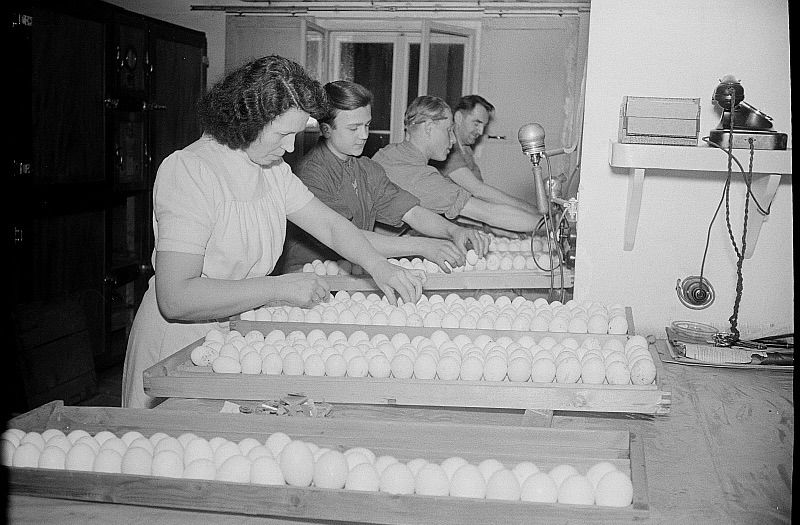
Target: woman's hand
[(301, 289), (441, 252), (466, 238), (391, 278)]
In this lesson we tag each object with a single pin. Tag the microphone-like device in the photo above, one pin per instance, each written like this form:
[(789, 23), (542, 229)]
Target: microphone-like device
[(531, 138)]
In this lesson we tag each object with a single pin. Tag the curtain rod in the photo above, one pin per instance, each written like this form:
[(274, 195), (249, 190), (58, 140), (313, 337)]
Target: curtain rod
[(480, 7)]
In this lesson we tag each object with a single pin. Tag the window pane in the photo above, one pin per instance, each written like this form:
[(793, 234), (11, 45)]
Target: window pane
[(413, 72), (446, 71), (314, 54), (370, 64)]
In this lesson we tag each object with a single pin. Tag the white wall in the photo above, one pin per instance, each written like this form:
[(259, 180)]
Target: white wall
[(682, 48)]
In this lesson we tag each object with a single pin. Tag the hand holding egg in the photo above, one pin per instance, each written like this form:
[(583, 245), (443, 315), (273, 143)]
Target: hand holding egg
[(303, 289)]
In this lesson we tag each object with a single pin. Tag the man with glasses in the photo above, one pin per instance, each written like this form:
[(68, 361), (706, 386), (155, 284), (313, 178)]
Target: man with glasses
[(429, 136)]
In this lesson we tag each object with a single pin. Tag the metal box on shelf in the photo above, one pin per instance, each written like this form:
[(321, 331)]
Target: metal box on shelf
[(659, 120)]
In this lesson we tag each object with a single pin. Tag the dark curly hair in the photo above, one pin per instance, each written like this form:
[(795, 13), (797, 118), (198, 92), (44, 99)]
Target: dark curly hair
[(237, 108)]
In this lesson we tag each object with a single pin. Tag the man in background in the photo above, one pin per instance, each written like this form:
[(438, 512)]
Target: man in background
[(471, 115)]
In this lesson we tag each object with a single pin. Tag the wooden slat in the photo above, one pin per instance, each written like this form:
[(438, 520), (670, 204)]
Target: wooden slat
[(484, 280), (177, 377), (406, 440)]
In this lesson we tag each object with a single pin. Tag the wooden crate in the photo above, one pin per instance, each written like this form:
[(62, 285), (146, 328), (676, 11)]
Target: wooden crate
[(405, 440), (177, 376), (473, 280)]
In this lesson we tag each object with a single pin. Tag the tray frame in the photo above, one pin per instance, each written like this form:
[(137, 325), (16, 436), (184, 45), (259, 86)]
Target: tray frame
[(406, 440), (176, 376), (473, 280)]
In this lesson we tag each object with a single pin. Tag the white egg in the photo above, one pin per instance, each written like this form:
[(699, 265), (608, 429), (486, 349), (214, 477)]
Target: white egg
[(489, 466), (61, 442), (198, 448), (200, 468), (598, 470), (524, 469), (367, 453), (108, 460), (614, 490), (235, 469), (34, 438), (143, 443), (52, 457), (617, 373), (331, 470), (13, 435), (363, 477), (79, 457), (576, 490), (415, 465), (519, 369), (27, 455), (358, 366), (257, 452), (76, 434), (276, 442), (116, 444), (643, 372), (495, 368), (226, 365), (167, 463), (432, 480), (50, 433), (224, 451), (568, 370), (137, 460), (266, 471), (448, 368), (251, 363), (561, 472), (397, 479), (293, 364), (402, 366), (297, 464), (593, 371), (169, 443), (503, 485), (468, 482), (381, 462), (130, 436), (539, 488)]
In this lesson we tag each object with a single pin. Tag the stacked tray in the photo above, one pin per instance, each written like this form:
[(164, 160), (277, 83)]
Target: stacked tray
[(178, 376), (403, 440)]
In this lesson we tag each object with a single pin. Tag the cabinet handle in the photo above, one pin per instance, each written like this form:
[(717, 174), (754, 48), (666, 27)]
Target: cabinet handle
[(153, 106)]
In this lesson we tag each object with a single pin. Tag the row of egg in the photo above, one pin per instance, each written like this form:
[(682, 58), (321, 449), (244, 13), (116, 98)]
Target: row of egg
[(492, 261), (454, 312), (434, 357), (281, 460)]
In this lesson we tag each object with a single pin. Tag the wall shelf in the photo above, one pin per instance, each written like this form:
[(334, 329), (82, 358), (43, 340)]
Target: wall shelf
[(768, 167)]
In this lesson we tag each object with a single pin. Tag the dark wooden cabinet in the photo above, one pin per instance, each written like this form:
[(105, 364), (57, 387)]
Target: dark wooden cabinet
[(100, 96)]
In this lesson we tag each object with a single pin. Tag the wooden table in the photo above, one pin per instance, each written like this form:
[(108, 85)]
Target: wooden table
[(722, 455)]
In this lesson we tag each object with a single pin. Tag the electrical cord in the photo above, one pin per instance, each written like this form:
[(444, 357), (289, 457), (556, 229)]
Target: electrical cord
[(734, 334)]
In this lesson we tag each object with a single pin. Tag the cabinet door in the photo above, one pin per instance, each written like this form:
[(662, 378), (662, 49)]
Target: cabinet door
[(66, 98), (177, 81)]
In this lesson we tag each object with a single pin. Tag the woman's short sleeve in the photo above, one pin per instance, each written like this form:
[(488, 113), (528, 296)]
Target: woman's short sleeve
[(183, 204), (296, 194)]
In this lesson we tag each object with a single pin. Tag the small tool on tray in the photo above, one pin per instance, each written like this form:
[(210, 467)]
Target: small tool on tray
[(289, 405)]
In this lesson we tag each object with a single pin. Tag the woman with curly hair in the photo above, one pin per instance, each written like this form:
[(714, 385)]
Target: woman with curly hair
[(220, 207)]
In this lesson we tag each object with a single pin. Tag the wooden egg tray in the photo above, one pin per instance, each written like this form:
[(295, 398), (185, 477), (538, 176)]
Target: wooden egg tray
[(472, 280), (405, 440), (177, 376)]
